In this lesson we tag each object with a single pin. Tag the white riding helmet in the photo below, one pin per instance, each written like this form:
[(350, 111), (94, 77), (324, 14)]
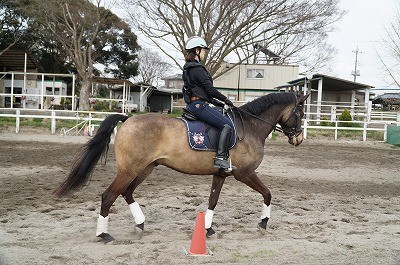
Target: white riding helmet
[(194, 42)]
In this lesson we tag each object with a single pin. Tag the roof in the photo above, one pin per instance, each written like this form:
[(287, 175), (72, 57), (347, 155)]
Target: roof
[(329, 83), (14, 60), (111, 81), (387, 98), (173, 77)]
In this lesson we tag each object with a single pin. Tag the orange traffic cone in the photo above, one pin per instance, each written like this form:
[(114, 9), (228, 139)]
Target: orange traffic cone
[(198, 246)]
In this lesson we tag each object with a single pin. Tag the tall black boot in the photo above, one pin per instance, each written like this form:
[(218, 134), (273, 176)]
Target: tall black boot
[(220, 160)]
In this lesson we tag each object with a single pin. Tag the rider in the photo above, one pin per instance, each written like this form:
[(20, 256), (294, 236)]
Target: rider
[(199, 91)]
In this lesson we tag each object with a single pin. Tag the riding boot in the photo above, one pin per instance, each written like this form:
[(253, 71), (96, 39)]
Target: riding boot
[(220, 160)]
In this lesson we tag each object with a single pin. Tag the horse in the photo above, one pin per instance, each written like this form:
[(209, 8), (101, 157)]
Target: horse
[(145, 141)]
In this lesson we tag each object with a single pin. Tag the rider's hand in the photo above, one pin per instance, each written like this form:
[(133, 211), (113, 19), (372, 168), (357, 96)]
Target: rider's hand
[(229, 103)]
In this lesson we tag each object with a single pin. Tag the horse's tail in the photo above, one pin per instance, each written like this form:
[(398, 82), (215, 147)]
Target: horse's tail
[(86, 161)]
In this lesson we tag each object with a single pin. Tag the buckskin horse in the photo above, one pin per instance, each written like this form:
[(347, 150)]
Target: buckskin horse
[(145, 141)]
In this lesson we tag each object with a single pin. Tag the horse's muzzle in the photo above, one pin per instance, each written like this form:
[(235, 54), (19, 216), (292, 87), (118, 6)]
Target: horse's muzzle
[(296, 140)]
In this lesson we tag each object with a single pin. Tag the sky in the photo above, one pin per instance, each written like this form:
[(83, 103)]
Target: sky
[(364, 27)]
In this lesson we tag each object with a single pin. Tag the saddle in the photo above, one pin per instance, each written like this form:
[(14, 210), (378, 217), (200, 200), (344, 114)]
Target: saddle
[(203, 136)]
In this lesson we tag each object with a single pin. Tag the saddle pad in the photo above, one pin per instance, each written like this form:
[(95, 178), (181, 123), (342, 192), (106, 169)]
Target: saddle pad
[(204, 137)]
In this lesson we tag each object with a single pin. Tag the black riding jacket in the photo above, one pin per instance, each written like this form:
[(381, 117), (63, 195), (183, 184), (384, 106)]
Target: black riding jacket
[(198, 82)]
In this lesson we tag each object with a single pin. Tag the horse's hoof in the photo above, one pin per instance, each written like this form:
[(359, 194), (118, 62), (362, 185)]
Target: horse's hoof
[(106, 238), (210, 232), (140, 226), (263, 223)]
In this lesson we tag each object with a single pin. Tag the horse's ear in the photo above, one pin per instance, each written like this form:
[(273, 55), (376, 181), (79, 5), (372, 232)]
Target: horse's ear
[(304, 98)]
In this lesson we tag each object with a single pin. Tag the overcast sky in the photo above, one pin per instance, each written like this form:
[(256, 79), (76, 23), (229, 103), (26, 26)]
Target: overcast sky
[(362, 26)]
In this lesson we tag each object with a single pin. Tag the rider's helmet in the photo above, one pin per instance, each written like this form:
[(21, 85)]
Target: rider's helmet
[(196, 42)]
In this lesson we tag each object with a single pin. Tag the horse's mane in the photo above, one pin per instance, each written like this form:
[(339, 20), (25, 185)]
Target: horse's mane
[(262, 103)]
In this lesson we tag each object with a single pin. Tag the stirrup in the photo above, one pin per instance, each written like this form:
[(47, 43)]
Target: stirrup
[(225, 164)]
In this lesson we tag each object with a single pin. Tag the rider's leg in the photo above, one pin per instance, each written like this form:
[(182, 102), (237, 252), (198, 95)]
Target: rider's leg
[(220, 160), (213, 117)]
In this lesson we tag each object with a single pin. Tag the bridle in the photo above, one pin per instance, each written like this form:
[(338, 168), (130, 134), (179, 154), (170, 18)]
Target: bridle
[(290, 131), (295, 129)]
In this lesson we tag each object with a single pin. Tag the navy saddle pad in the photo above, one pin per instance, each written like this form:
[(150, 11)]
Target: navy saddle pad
[(203, 136)]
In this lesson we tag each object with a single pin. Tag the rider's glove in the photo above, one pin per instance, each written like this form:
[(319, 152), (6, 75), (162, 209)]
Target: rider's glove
[(229, 103)]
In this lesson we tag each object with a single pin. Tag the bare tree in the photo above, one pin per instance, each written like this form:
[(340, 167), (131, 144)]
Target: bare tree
[(391, 44), (233, 27), (151, 67)]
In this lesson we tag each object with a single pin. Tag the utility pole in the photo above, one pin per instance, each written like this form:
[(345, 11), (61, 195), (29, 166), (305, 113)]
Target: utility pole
[(356, 72)]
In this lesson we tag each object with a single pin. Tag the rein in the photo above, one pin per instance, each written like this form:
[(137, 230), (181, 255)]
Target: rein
[(240, 111)]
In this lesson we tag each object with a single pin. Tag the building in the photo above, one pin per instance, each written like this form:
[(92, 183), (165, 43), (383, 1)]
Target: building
[(389, 101), (23, 86), (327, 92), (246, 82), (131, 97), (243, 82)]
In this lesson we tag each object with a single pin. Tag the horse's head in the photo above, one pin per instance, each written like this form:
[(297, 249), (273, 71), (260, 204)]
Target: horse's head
[(291, 121)]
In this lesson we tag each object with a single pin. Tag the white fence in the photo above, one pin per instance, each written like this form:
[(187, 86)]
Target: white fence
[(84, 119), (364, 119)]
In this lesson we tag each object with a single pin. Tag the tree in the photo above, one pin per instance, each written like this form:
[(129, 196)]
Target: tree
[(391, 44), (80, 33), (13, 26), (232, 28), (151, 67)]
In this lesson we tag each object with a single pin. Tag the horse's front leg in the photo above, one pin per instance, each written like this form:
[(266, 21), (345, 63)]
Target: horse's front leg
[(212, 202), (255, 183)]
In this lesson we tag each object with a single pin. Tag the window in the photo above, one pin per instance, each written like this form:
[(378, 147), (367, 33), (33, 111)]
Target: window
[(255, 73)]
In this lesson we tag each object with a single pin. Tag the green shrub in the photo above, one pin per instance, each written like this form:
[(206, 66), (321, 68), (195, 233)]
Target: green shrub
[(101, 106), (325, 122), (346, 116)]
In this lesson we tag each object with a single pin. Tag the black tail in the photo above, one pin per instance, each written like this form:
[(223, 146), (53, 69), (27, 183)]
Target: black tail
[(90, 155)]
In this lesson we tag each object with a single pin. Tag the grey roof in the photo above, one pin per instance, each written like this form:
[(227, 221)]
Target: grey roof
[(387, 98), (329, 83)]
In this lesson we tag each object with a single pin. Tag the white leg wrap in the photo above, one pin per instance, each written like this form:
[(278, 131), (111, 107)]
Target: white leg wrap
[(102, 225), (208, 218), (137, 213), (266, 211)]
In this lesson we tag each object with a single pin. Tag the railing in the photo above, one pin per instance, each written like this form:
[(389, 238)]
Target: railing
[(84, 119), (373, 121), (363, 116)]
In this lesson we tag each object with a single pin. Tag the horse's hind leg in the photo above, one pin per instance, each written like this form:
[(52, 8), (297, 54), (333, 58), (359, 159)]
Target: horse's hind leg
[(255, 183), (108, 197), (137, 213)]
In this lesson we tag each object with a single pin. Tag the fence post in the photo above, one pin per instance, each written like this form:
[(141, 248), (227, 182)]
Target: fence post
[(398, 119), (90, 125), (333, 113), (17, 120), (365, 131), (336, 130), (385, 133), (305, 129), (53, 122)]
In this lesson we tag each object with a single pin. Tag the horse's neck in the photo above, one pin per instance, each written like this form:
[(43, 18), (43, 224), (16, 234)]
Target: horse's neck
[(262, 127)]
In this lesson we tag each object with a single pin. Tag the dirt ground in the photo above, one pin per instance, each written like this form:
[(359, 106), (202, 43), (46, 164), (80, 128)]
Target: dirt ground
[(334, 202)]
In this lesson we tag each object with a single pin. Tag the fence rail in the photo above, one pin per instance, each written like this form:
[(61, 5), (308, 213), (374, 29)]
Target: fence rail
[(367, 121), (84, 119)]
